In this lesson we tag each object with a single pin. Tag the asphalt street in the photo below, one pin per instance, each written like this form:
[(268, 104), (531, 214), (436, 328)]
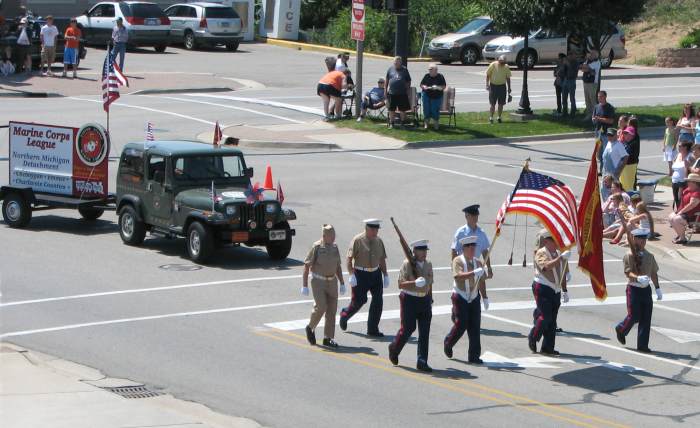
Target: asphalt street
[(227, 334)]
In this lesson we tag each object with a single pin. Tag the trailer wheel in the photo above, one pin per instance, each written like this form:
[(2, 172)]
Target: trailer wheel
[(131, 229), (16, 211), (91, 213)]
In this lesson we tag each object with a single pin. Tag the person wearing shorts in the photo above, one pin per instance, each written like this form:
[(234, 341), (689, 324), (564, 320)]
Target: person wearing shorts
[(329, 89), (399, 81), (49, 32), (497, 82), (70, 52)]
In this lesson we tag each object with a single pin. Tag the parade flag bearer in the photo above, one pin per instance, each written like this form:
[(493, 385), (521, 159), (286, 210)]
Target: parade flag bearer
[(549, 288), (367, 268), (416, 305), (323, 262), (469, 288)]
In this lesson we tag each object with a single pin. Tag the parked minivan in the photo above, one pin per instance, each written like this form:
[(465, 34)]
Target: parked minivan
[(465, 44), (197, 24)]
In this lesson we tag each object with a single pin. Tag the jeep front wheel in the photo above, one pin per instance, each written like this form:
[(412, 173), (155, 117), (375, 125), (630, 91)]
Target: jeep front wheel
[(279, 250), (200, 242), (131, 229)]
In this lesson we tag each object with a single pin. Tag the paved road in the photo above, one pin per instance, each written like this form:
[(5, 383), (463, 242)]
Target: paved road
[(74, 290)]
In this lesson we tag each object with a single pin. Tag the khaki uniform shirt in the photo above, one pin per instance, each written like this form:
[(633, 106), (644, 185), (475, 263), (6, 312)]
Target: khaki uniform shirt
[(323, 259), (461, 265), (406, 274), (648, 267), (366, 253), (551, 277)]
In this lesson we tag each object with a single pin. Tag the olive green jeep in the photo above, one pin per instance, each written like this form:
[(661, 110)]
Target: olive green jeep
[(201, 192)]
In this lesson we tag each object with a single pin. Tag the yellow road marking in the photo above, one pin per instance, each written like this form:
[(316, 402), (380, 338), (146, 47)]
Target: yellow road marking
[(513, 400)]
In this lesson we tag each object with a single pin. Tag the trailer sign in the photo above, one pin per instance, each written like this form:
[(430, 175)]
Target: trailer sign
[(58, 159)]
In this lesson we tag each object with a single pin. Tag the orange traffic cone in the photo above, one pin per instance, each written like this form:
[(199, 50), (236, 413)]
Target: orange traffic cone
[(268, 179)]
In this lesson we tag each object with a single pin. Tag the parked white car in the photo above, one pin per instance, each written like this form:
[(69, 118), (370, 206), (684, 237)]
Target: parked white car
[(197, 24), (546, 45)]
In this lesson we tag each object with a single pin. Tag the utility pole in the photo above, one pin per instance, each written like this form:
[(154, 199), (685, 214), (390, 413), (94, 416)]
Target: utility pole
[(400, 9), (358, 80)]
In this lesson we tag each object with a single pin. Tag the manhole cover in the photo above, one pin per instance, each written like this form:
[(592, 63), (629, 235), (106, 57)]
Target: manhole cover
[(132, 391), (180, 268)]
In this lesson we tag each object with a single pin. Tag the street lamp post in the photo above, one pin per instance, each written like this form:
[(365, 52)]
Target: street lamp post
[(524, 97)]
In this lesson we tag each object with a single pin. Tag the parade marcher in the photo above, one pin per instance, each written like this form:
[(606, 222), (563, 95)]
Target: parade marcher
[(323, 262), (641, 270), (469, 289), (550, 290), (367, 268), (471, 213), (416, 305), (539, 243)]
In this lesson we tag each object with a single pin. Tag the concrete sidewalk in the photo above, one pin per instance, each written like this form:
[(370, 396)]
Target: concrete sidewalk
[(37, 390)]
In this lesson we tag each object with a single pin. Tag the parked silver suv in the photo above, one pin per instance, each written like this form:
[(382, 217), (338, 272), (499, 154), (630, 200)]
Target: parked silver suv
[(197, 24), (465, 44)]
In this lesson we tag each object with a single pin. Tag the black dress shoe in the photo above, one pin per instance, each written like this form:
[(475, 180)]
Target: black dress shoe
[(559, 330), (620, 336), (343, 323), (329, 343), (310, 335), (644, 350), (478, 361), (448, 351), (549, 352), (423, 367), (531, 343), (375, 334), (393, 356)]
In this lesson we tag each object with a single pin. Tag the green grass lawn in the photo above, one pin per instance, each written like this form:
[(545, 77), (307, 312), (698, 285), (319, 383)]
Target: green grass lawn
[(476, 125)]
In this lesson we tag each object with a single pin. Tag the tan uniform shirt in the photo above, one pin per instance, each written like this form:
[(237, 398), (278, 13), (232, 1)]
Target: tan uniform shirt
[(366, 253), (461, 265), (550, 277), (406, 274), (323, 259), (648, 267)]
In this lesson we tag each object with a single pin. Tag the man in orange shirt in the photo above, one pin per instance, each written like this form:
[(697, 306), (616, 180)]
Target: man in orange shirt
[(70, 52)]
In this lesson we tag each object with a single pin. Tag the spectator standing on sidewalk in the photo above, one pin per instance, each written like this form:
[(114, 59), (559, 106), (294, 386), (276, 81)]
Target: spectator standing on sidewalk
[(70, 52), (48, 35), (399, 80), (341, 64), (685, 124), (569, 87), (432, 89), (680, 168), (614, 155), (497, 79), (695, 167), (669, 144), (628, 178), (559, 77), (688, 209), (603, 117), (120, 37), (590, 77), (24, 59)]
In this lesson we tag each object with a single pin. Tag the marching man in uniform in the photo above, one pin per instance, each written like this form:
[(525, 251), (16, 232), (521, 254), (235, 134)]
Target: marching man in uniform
[(323, 262), (471, 213), (416, 305), (367, 268), (549, 289), (641, 270), (469, 288)]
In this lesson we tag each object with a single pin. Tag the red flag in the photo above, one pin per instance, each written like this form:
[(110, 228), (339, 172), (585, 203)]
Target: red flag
[(280, 193), (590, 231), (218, 135)]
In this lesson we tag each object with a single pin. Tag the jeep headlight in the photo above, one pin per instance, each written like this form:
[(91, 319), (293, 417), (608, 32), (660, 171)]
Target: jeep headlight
[(230, 210), (270, 208)]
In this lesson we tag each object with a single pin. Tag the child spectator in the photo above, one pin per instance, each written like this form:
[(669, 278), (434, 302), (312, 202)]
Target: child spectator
[(48, 35), (669, 144), (70, 52)]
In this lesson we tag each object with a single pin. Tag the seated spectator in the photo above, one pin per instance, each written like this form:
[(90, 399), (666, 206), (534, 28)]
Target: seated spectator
[(639, 218), (695, 163), (432, 89), (689, 207), (609, 207), (606, 187), (374, 99), (6, 67), (330, 89), (619, 210)]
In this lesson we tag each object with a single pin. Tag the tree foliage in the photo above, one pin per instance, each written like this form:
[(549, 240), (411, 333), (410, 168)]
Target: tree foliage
[(517, 17), (317, 13)]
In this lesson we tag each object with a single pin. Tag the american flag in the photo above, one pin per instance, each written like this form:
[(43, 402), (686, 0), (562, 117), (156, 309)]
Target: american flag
[(112, 77), (550, 201), (280, 193), (218, 135), (149, 132), (502, 214)]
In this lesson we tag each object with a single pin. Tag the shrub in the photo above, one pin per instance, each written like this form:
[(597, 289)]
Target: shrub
[(379, 32), (691, 40)]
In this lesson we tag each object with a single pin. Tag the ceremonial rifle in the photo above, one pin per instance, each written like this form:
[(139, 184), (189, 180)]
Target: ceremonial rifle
[(406, 250)]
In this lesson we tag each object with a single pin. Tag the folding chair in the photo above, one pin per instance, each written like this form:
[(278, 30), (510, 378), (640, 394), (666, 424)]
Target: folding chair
[(414, 102), (693, 227), (348, 98), (448, 106), (377, 113)]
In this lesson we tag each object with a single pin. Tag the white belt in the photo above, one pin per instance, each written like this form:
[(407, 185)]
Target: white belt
[(414, 293), (464, 295), (366, 269), (544, 281), (321, 277), (636, 284)]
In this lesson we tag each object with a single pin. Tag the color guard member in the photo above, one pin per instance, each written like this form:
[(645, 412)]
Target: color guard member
[(416, 305), (469, 287), (367, 268), (323, 261), (471, 213)]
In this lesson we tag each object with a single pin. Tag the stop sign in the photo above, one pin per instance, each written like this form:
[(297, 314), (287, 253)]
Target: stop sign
[(357, 24)]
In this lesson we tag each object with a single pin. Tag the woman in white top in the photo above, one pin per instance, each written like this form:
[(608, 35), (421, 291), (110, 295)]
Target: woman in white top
[(680, 169), (685, 124)]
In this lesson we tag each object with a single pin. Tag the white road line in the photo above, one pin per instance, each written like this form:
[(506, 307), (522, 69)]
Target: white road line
[(303, 109), (155, 110), (680, 311), (453, 155), (449, 171), (228, 107), (204, 284)]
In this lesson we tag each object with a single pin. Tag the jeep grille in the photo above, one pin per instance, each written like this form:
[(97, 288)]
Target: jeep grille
[(253, 212)]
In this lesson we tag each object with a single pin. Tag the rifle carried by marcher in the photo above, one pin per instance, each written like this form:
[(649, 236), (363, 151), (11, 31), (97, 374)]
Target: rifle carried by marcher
[(406, 250)]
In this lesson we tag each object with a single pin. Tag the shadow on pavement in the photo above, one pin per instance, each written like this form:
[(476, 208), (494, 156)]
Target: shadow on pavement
[(71, 225), (598, 379), (386, 339), (498, 333), (344, 349), (450, 373), (584, 335)]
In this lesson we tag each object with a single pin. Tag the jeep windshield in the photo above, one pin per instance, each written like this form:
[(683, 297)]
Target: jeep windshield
[(208, 167)]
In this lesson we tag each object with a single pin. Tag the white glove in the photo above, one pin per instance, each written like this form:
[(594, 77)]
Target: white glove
[(420, 282), (304, 291), (565, 297), (386, 281), (568, 277), (352, 280), (643, 279), (565, 255), (486, 304), (659, 294), (478, 273), (342, 289)]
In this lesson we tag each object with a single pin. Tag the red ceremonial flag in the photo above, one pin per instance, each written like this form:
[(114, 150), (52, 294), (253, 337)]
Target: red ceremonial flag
[(590, 231), (280, 193), (217, 133)]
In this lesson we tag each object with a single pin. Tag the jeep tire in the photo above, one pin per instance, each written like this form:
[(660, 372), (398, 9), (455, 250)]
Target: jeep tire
[(200, 242), (131, 229), (90, 213), (16, 210), (279, 250)]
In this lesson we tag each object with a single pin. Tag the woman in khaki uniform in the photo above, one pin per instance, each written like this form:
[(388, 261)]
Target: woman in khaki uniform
[(323, 262)]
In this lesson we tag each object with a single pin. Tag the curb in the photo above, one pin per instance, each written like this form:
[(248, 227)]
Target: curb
[(206, 138), (667, 252), (28, 94), (650, 76), (178, 91), (323, 48)]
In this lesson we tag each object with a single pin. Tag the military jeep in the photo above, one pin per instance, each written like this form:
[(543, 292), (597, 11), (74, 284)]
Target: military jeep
[(187, 189)]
